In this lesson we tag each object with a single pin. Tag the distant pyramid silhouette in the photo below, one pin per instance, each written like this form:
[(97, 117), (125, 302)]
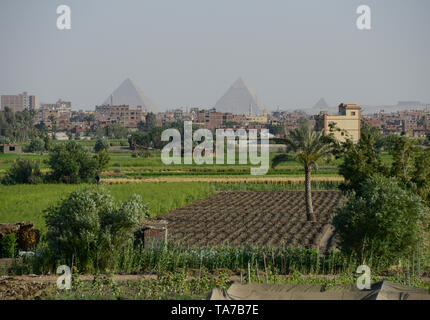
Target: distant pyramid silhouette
[(238, 98), (321, 104), (129, 94)]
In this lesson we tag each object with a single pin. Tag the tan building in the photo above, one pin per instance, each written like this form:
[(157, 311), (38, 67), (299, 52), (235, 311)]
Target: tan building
[(10, 148), (18, 102), (346, 124), (129, 118)]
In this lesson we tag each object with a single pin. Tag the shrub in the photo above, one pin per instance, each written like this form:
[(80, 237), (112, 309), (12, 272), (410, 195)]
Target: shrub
[(23, 171), (89, 227), (101, 144), (8, 245), (71, 163), (102, 159), (384, 220), (36, 145)]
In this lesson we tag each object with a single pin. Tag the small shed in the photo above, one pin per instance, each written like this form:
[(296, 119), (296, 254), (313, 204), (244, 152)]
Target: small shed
[(152, 234), (10, 148)]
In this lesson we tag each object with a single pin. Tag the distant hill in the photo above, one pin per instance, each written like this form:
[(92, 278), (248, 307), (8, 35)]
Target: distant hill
[(129, 94)]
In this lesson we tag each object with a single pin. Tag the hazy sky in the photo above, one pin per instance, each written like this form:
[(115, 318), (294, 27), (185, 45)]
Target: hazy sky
[(188, 52)]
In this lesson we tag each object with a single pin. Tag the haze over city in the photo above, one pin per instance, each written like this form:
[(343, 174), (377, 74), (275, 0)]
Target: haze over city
[(188, 53)]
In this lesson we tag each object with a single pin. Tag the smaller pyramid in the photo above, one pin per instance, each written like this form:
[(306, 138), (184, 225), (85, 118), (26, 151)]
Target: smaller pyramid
[(129, 94), (239, 99), (321, 104)]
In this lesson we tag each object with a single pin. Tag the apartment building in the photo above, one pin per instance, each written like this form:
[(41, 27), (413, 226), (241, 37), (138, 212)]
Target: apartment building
[(345, 124), (19, 102)]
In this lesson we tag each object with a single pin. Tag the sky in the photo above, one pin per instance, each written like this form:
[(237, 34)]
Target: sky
[(188, 52)]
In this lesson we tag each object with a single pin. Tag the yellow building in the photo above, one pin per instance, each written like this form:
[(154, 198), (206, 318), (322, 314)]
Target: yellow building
[(346, 124), (257, 119)]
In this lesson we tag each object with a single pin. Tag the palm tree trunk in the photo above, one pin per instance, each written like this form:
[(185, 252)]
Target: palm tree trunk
[(308, 195)]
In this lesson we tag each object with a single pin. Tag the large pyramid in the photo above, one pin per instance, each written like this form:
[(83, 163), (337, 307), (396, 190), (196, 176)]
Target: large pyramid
[(321, 104), (129, 94), (238, 99)]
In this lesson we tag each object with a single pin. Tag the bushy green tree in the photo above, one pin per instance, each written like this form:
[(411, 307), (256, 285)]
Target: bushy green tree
[(89, 227), (36, 145), (421, 174), (8, 244), (102, 159), (360, 161), (384, 220), (23, 171), (71, 163), (403, 151), (150, 121), (101, 144)]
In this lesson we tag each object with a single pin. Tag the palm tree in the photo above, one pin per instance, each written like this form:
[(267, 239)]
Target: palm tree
[(308, 147)]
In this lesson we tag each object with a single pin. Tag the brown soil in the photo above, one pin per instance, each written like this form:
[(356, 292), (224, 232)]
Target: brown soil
[(255, 218)]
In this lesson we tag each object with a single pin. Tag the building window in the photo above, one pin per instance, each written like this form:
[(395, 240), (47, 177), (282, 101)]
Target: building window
[(353, 113)]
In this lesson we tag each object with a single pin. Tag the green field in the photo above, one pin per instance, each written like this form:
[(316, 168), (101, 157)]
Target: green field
[(26, 202), (123, 165)]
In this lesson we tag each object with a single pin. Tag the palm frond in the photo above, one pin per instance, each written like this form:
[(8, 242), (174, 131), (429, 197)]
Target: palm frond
[(279, 159)]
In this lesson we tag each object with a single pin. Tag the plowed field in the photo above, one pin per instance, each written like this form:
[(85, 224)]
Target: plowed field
[(255, 218)]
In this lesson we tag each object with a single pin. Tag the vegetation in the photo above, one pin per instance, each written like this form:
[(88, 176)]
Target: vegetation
[(360, 161), (308, 147), (8, 244), (23, 171), (88, 227), (16, 126), (71, 163), (101, 144), (384, 219)]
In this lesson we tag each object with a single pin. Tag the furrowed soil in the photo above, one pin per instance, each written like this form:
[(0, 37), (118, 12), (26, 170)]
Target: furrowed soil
[(264, 218)]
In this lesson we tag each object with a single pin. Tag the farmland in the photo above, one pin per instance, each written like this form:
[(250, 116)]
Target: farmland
[(265, 218), (223, 224)]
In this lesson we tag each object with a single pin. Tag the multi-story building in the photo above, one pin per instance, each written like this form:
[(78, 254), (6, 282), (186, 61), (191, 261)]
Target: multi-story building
[(63, 106), (127, 117), (212, 119), (19, 102), (345, 124)]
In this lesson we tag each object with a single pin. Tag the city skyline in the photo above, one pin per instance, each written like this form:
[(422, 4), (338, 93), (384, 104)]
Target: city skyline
[(188, 54)]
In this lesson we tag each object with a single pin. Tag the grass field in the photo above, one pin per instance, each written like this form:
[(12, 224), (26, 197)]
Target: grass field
[(27, 202), (123, 165)]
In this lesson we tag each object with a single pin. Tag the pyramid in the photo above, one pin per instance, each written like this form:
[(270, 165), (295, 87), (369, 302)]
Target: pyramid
[(238, 99), (129, 94), (321, 104)]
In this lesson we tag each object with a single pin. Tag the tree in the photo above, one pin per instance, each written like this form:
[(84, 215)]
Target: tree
[(23, 171), (36, 145), (101, 144), (403, 152), (88, 227), (102, 159), (71, 163), (368, 129), (308, 146), (277, 130), (150, 121), (421, 174), (385, 220), (360, 161)]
